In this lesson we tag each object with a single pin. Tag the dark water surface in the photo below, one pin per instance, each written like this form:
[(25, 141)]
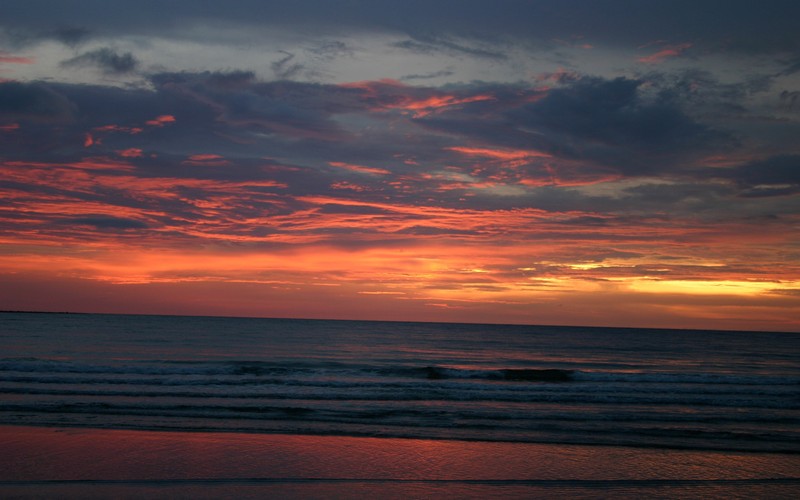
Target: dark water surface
[(736, 391), (112, 406)]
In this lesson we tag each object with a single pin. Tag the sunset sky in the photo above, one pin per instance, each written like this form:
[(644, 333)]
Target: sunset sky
[(614, 163)]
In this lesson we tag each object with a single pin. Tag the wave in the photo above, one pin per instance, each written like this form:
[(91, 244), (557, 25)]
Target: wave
[(565, 404), (442, 423), (249, 371)]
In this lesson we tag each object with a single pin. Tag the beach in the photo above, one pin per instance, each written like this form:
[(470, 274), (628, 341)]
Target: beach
[(47, 462), (99, 406)]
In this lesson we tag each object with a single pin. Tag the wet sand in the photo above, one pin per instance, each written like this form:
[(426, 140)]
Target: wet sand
[(43, 462)]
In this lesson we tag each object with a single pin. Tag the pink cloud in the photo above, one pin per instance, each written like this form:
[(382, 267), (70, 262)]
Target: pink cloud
[(130, 153), (359, 168), (394, 95), (209, 160), (160, 121), (119, 128), (5, 57), (665, 53)]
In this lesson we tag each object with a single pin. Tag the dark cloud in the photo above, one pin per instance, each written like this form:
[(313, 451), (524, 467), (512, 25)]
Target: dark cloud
[(792, 67), (108, 60), (610, 121), (284, 69), (428, 76), (435, 231), (107, 222), (33, 101), (790, 98), (429, 44), (330, 49), (703, 94), (589, 127), (333, 208), (291, 109), (231, 80), (775, 176), (617, 123), (769, 26), (70, 36)]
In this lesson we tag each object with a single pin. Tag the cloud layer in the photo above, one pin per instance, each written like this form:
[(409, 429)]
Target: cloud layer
[(445, 167)]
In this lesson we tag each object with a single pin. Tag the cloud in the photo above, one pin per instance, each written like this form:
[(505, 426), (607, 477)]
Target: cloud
[(105, 222), (282, 68), (107, 60), (330, 49), (428, 76), (610, 118), (33, 101), (8, 58), (429, 44), (292, 109), (667, 52), (619, 124), (70, 36), (774, 176), (462, 27)]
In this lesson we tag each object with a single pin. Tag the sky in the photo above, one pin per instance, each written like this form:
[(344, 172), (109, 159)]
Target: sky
[(602, 163)]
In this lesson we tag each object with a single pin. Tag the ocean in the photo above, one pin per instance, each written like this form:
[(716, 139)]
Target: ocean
[(637, 387), (650, 388)]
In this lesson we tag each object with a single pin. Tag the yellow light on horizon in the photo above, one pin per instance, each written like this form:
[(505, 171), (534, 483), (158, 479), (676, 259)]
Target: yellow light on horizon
[(701, 287)]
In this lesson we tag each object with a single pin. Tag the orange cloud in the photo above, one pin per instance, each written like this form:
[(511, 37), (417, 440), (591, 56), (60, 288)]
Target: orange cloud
[(9, 127), (359, 168), (160, 121), (350, 186), (430, 105), (119, 128), (130, 153), (253, 239), (208, 160), (501, 154), (665, 53), (393, 95)]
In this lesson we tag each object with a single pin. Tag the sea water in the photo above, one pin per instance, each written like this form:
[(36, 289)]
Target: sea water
[(660, 389)]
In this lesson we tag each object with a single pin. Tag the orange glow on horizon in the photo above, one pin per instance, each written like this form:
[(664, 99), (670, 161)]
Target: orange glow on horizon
[(378, 256)]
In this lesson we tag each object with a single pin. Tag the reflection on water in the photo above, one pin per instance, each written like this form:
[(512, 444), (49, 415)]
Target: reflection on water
[(80, 454)]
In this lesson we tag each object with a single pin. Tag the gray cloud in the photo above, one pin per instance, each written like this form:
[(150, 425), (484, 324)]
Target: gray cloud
[(429, 44), (70, 36), (284, 69), (611, 123), (427, 76), (305, 126), (107, 60), (769, 27)]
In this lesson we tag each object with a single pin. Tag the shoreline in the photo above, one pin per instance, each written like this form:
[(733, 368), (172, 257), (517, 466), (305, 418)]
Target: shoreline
[(255, 431), (508, 460), (84, 461)]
